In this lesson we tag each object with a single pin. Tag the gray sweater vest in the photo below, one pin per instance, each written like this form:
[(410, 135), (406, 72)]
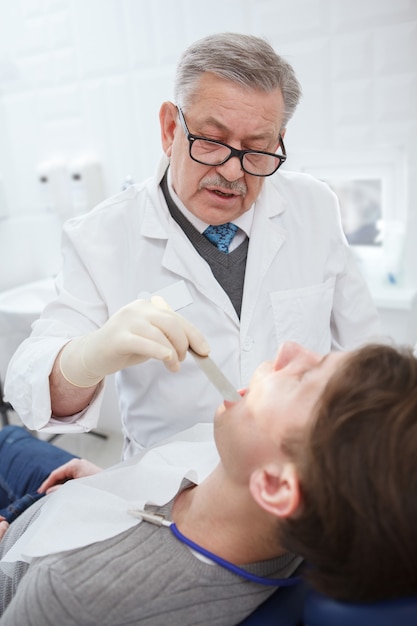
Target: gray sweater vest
[(228, 269)]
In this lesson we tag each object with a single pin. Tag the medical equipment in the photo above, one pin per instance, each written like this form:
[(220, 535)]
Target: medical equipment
[(216, 376), (159, 520)]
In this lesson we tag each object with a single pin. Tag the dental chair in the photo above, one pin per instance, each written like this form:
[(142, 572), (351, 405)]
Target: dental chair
[(320, 610), (300, 606), (283, 608)]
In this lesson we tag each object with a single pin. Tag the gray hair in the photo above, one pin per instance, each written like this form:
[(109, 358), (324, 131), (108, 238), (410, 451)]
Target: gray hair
[(244, 59)]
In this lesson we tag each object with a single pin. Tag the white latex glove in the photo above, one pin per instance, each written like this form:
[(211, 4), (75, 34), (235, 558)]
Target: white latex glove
[(137, 332)]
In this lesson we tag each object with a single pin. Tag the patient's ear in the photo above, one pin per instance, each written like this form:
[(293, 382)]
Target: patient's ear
[(276, 489), (168, 117)]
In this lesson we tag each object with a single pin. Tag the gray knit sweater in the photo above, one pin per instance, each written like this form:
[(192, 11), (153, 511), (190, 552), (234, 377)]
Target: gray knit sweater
[(142, 576)]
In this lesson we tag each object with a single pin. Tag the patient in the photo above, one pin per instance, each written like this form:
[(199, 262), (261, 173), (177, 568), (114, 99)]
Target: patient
[(316, 459), (357, 518)]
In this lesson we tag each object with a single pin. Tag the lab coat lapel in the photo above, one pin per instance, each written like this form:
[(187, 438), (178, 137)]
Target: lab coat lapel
[(267, 238), (181, 257)]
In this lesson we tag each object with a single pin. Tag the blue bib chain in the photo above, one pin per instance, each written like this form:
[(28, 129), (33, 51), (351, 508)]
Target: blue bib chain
[(159, 520), (221, 235)]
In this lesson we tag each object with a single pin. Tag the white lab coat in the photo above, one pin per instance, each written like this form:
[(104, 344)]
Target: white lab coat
[(301, 284)]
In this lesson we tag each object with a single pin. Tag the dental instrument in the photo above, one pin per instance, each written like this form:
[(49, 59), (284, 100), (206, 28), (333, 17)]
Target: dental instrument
[(216, 376)]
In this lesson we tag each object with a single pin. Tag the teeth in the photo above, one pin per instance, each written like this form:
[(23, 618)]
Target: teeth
[(221, 193)]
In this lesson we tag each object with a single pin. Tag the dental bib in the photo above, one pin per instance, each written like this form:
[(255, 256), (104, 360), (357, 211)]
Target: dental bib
[(95, 508)]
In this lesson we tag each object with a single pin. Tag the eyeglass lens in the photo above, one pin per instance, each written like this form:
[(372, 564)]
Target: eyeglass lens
[(209, 152), (212, 153)]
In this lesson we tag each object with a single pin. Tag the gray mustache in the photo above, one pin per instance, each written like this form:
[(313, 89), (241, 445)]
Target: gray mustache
[(219, 181)]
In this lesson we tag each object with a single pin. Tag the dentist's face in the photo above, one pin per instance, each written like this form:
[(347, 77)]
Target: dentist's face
[(280, 400), (245, 119)]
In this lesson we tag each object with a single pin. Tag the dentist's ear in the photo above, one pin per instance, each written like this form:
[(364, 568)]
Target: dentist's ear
[(276, 489), (168, 116)]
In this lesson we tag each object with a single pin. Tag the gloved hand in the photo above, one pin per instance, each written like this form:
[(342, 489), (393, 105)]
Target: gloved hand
[(137, 332)]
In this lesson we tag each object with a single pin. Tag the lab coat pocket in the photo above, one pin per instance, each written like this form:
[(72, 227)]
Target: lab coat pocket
[(303, 315)]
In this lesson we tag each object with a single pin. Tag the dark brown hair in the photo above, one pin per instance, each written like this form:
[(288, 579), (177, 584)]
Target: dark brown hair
[(357, 528)]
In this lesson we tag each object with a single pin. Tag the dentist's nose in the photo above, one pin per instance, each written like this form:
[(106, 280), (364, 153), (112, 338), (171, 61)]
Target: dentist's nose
[(231, 170)]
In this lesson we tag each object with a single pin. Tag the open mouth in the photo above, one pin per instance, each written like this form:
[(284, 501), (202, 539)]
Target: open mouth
[(223, 194)]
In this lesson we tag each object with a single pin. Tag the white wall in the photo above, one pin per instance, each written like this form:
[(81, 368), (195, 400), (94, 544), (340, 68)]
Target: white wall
[(87, 77)]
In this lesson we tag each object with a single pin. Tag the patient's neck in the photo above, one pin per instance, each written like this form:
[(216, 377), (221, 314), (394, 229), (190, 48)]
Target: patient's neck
[(223, 518)]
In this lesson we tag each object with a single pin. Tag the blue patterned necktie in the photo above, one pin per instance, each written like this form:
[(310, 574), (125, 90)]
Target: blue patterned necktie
[(221, 236)]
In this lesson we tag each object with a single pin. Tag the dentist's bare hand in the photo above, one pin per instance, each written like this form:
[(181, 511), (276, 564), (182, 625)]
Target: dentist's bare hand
[(137, 332)]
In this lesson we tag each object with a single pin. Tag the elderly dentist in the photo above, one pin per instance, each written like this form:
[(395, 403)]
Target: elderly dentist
[(288, 273)]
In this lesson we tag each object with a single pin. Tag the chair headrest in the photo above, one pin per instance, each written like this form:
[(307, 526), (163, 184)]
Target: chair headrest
[(320, 610)]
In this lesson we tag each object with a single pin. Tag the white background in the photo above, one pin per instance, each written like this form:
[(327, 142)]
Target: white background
[(87, 77)]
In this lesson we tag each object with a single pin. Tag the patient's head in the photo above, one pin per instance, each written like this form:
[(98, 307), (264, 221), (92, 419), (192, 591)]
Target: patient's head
[(356, 519), (279, 400)]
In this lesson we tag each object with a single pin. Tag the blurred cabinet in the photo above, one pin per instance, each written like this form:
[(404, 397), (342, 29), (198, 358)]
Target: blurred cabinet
[(19, 308), (397, 307)]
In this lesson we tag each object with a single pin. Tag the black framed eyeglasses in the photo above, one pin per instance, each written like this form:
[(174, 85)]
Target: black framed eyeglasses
[(210, 152)]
